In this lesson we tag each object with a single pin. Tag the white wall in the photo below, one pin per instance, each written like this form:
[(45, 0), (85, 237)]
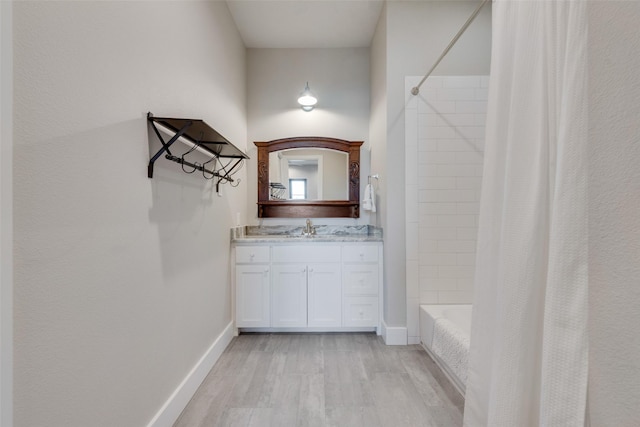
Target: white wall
[(614, 212), (416, 34), (378, 122), (6, 214), (121, 282), (340, 80)]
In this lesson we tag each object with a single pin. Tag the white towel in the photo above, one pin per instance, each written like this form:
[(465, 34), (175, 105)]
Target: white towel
[(369, 201)]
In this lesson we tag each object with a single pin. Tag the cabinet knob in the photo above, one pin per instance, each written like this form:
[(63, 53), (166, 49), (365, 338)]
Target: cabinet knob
[(311, 270), (251, 256), (361, 255), (266, 270)]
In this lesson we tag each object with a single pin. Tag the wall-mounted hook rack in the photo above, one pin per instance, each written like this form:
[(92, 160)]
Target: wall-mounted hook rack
[(201, 137)]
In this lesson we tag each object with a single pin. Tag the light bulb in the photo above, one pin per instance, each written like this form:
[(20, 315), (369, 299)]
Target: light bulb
[(306, 99)]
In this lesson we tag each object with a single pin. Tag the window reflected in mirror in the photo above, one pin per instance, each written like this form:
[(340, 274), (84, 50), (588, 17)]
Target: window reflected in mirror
[(298, 189)]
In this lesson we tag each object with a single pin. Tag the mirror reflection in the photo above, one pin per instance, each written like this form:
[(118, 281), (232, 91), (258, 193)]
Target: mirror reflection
[(308, 174)]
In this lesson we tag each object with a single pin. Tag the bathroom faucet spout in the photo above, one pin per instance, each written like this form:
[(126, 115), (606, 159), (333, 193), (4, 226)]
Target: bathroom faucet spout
[(309, 230)]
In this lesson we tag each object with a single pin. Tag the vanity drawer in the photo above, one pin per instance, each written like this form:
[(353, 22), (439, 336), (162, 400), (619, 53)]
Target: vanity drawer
[(252, 254), (360, 253), (360, 311), (305, 253), (360, 279)]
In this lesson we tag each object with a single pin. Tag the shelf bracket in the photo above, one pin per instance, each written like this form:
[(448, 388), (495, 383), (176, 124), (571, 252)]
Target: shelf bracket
[(165, 146)]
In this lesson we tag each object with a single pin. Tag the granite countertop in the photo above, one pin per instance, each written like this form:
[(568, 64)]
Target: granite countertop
[(291, 234)]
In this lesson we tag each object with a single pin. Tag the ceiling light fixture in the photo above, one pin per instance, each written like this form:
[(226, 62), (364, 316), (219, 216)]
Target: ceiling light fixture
[(307, 100)]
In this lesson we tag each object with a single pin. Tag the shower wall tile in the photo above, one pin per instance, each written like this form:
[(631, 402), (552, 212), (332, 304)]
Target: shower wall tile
[(454, 120), (438, 233), (439, 284), (427, 144), (458, 144), (467, 208), (456, 170), (428, 297), (438, 107), (466, 233), (482, 94), (455, 297), (466, 107), (455, 94), (438, 183), (460, 81), (469, 182), (444, 158), (466, 259), (438, 208)]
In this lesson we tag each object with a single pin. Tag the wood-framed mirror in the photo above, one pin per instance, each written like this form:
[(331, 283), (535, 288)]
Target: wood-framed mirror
[(279, 198)]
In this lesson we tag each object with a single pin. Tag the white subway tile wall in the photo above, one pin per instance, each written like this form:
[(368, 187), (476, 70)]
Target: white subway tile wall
[(444, 147)]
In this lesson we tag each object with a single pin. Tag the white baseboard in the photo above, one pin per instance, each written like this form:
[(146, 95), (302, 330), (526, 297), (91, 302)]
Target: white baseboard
[(394, 335), (172, 408), (413, 340)]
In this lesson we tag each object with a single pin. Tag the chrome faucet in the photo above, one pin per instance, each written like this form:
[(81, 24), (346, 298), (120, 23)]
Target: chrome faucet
[(309, 230)]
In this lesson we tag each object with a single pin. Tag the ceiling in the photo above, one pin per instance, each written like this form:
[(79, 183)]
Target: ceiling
[(306, 23)]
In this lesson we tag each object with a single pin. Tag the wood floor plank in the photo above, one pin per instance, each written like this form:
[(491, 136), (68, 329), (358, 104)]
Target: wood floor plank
[(278, 343), (243, 383), (254, 389), (288, 380), (343, 366), (358, 393), (286, 391), (234, 417), (415, 365), (209, 401), (273, 417), (395, 398), (311, 406), (352, 416)]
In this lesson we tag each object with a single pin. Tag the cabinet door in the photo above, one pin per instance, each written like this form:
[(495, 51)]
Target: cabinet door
[(289, 295), (325, 295), (252, 296)]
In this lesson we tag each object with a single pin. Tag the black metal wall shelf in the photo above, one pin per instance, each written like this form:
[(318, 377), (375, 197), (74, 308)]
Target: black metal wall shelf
[(202, 137)]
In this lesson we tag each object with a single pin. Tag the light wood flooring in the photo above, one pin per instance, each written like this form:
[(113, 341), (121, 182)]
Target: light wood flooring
[(323, 380)]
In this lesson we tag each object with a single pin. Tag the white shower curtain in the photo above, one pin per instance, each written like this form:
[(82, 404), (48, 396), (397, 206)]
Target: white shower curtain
[(528, 356)]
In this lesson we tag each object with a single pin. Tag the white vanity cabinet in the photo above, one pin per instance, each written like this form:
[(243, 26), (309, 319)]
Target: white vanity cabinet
[(305, 286), (360, 285), (321, 286), (253, 285)]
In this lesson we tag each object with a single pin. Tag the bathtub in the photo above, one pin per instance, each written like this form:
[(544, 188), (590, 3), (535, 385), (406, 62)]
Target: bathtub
[(444, 332)]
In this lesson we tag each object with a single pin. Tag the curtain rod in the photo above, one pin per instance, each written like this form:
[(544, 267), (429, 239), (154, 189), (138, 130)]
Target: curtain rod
[(416, 89)]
